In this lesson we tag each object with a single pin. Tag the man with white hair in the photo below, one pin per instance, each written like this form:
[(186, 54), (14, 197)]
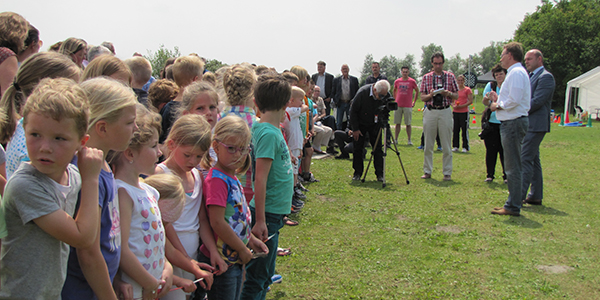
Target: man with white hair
[(96, 51), (364, 120)]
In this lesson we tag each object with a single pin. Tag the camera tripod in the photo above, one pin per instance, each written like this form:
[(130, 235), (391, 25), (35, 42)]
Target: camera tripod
[(383, 130)]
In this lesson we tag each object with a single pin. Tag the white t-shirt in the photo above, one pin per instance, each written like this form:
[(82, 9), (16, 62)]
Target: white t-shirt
[(291, 126)]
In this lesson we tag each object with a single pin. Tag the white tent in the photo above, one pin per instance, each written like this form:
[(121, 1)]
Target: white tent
[(584, 91)]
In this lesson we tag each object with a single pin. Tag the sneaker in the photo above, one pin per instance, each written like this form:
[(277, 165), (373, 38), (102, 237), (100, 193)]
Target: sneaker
[(454, 149), (295, 209), (409, 143), (301, 187), (277, 278), (439, 148), (300, 178), (489, 179), (298, 193), (311, 178), (380, 178), (420, 147), (297, 203), (356, 177), (343, 156), (464, 150)]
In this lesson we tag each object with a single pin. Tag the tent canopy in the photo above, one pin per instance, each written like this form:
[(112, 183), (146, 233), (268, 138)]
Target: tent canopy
[(485, 78), (583, 91)]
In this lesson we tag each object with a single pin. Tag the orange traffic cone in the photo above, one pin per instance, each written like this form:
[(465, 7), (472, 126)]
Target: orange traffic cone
[(474, 121)]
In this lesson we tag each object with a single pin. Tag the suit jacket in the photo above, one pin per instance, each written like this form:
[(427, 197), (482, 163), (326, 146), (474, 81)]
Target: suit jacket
[(542, 89), (336, 93), (364, 108), (328, 83)]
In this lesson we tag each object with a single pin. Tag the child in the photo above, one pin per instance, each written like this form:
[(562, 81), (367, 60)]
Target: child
[(201, 98), (186, 70), (40, 198), (91, 270), (273, 183), (143, 263), (238, 82), (187, 142), (294, 138), (160, 93), (227, 208), (38, 66), (170, 204)]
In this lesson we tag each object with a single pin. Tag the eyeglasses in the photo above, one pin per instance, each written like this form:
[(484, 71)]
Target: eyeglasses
[(438, 64), (233, 149)]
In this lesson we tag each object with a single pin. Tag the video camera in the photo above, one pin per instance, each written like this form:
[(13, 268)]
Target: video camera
[(389, 104)]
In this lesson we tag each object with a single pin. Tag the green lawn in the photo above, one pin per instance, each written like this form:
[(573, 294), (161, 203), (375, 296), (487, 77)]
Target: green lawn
[(437, 240)]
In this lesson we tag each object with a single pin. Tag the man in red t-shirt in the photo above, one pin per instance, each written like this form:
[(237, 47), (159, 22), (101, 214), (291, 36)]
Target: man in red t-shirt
[(404, 88)]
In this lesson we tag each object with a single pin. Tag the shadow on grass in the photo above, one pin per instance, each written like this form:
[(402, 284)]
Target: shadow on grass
[(440, 183), (374, 184), (544, 210), (523, 222), (497, 185)]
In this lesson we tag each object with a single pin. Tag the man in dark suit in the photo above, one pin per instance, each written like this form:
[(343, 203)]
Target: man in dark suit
[(542, 89), (363, 121), (325, 82), (344, 90)]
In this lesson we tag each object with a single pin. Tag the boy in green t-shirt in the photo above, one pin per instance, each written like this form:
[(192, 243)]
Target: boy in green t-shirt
[(273, 180)]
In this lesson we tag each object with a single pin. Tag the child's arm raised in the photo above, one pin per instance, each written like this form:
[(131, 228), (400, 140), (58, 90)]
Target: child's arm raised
[(80, 232), (130, 264), (224, 231), (263, 167)]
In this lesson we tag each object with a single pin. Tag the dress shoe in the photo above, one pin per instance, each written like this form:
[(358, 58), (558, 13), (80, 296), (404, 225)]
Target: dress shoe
[(342, 156), (356, 177), (447, 178), (504, 212), (380, 178), (426, 176), (332, 150), (532, 201)]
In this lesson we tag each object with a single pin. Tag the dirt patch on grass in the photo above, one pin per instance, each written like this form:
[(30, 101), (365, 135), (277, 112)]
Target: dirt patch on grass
[(402, 218), (325, 198), (554, 269), (450, 229)]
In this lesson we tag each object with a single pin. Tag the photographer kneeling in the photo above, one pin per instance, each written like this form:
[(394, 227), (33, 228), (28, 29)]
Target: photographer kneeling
[(364, 119)]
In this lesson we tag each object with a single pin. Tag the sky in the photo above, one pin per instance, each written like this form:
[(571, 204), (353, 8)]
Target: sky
[(279, 33)]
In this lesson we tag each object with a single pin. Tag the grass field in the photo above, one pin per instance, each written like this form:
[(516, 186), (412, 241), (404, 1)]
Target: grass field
[(432, 239)]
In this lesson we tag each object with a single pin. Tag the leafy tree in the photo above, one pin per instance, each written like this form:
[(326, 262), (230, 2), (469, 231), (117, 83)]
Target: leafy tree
[(567, 33), (428, 51), (391, 66), (159, 57), (366, 69), (487, 58), (456, 65), (213, 65)]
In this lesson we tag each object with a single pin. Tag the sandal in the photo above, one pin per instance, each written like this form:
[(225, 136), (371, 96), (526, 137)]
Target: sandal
[(289, 222), (283, 252)]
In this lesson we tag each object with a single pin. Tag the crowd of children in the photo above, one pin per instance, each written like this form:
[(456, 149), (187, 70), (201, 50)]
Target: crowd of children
[(113, 188)]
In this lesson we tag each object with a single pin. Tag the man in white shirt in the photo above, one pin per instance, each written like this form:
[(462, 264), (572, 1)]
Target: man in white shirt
[(512, 107)]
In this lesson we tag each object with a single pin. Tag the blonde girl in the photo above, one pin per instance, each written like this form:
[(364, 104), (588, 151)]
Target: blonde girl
[(91, 270), (238, 83), (227, 209), (13, 33), (109, 66), (75, 49), (34, 69), (187, 142), (143, 262), (170, 204), (201, 98)]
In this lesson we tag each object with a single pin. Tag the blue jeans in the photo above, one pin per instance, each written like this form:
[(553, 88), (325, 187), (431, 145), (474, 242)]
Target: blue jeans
[(512, 132), (260, 270), (342, 108), (225, 286)]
